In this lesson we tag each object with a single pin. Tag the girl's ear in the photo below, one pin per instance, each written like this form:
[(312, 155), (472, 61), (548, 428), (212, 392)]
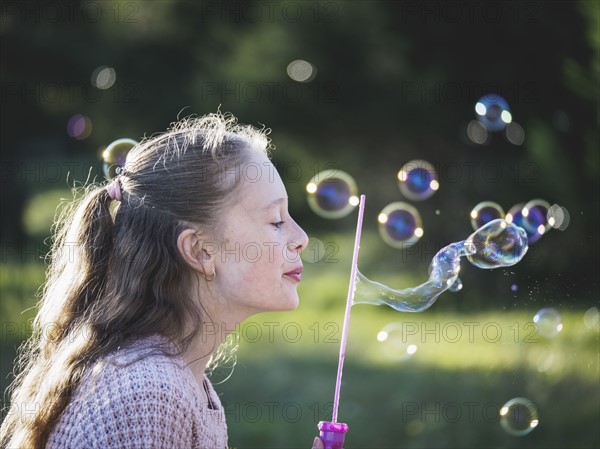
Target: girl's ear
[(196, 250)]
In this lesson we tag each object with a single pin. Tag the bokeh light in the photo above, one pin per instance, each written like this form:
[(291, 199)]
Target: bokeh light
[(477, 133), (79, 127), (591, 318), (103, 77), (515, 133), (493, 112), (558, 217), (115, 156), (301, 71), (418, 180), (332, 194), (400, 225), (519, 416), (548, 321), (485, 212)]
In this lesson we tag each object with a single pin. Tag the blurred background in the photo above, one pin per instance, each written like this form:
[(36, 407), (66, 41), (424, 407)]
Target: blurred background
[(362, 87)]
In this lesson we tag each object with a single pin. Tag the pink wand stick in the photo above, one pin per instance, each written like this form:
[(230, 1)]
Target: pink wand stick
[(351, 287)]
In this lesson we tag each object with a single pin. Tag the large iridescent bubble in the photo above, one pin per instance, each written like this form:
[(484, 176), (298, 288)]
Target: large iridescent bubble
[(497, 244)]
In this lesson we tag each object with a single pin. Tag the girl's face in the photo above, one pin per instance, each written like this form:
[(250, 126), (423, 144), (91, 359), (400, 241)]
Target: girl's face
[(257, 259)]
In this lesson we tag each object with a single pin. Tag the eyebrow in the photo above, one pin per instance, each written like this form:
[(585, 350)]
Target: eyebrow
[(275, 203)]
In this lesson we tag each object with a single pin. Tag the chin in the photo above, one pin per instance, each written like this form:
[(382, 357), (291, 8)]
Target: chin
[(289, 305)]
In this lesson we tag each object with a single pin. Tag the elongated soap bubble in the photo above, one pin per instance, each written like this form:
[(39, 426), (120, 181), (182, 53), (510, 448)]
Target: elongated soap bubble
[(497, 244)]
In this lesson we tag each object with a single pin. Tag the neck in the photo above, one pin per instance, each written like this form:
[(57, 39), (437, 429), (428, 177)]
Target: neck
[(205, 345)]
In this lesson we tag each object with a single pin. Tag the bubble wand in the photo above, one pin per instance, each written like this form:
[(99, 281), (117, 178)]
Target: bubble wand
[(332, 433)]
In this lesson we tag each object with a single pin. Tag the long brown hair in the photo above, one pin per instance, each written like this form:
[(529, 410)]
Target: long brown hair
[(115, 274)]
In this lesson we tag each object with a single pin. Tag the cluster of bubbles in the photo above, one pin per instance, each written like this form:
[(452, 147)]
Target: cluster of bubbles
[(334, 194), (497, 244), (537, 216), (79, 126), (493, 115)]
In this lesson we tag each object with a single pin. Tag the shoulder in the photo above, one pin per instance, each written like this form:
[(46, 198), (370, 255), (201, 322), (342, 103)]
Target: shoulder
[(137, 391)]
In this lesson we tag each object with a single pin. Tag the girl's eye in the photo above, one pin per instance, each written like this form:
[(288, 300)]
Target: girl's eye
[(278, 224)]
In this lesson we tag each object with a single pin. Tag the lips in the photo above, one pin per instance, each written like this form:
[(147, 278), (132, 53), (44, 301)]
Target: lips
[(295, 274)]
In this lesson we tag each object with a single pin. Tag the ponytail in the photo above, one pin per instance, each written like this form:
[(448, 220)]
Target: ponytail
[(51, 360)]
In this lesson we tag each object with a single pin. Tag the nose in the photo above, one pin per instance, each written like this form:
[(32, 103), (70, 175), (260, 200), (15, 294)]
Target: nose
[(300, 241)]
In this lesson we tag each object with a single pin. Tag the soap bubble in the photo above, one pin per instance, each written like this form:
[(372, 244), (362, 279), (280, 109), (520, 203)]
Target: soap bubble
[(514, 288), (396, 344), (485, 212), (417, 180), (400, 225), (535, 216), (515, 216), (498, 244), (332, 194), (456, 286), (548, 322), (515, 133), (519, 416), (493, 112), (477, 132), (115, 156)]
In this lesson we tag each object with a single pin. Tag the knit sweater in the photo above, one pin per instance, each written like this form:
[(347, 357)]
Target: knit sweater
[(141, 398)]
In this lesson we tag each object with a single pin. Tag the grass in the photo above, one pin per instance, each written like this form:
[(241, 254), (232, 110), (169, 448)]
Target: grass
[(445, 395)]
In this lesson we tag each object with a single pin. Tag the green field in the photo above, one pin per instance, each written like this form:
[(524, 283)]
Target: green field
[(446, 394)]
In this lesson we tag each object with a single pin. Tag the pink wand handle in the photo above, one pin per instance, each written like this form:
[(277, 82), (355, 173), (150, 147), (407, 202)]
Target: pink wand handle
[(332, 434)]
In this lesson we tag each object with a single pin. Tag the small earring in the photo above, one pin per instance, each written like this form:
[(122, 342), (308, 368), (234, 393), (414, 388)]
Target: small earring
[(212, 278)]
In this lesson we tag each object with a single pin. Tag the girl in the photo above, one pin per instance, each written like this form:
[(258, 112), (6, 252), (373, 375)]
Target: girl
[(139, 269)]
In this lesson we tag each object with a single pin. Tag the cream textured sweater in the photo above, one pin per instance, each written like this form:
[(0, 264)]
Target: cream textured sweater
[(140, 398)]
